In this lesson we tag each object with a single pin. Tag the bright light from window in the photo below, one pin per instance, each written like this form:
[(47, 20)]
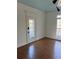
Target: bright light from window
[(58, 16)]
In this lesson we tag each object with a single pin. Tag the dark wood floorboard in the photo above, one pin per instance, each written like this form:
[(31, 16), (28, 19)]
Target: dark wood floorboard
[(42, 49)]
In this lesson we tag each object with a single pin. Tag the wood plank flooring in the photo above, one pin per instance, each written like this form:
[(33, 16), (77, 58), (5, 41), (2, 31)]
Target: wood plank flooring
[(42, 49)]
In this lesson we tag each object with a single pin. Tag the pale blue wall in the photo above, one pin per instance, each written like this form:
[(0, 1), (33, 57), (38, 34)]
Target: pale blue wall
[(44, 5)]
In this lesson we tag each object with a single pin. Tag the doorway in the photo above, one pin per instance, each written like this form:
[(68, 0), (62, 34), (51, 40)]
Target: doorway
[(30, 27)]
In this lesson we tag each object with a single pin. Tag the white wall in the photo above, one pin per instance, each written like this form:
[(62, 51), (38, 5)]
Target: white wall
[(21, 35), (51, 23), (21, 22)]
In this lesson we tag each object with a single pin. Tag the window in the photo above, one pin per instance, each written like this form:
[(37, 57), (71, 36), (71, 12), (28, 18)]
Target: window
[(58, 30), (58, 21)]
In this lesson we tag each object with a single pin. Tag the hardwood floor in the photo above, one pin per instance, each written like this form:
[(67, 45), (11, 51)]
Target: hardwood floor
[(42, 49)]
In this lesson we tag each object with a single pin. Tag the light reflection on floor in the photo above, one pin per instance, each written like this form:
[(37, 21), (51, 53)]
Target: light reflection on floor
[(57, 50), (31, 51)]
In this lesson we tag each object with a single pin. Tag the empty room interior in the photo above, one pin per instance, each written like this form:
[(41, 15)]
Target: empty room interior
[(38, 29)]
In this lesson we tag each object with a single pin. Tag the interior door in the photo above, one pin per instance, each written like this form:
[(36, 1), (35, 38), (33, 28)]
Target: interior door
[(30, 27)]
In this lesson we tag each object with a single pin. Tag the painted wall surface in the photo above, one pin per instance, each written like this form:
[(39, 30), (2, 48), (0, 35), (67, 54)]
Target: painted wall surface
[(51, 23), (44, 5), (21, 23), (21, 35)]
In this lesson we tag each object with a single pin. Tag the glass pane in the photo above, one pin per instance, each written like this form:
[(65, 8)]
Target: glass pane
[(31, 28), (58, 16), (58, 23), (58, 32)]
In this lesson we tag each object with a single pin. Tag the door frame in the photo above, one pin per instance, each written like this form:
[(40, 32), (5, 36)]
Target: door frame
[(29, 15)]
